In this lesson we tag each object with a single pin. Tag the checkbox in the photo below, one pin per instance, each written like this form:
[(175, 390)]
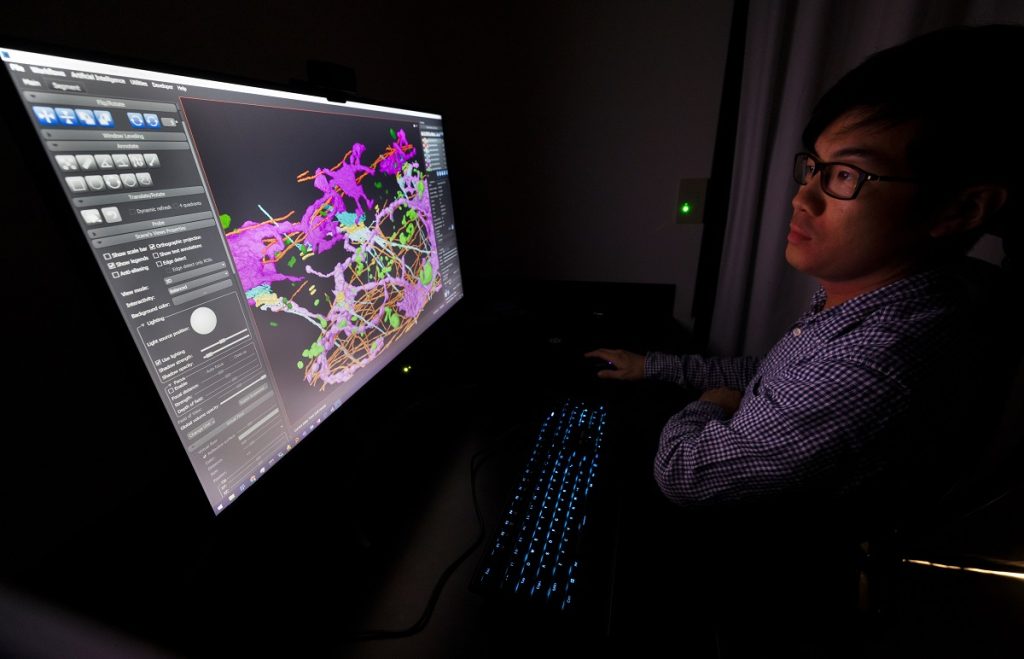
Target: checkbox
[(110, 266), (159, 264), (115, 274), (106, 256)]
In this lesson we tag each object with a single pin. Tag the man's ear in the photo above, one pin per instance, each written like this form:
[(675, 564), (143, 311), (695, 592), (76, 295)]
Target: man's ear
[(969, 209)]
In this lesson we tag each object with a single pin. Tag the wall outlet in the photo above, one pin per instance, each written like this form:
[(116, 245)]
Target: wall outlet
[(690, 203)]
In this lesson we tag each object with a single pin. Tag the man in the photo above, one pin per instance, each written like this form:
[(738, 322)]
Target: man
[(907, 160)]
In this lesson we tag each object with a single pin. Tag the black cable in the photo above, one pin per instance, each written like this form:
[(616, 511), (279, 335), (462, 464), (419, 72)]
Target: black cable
[(435, 595)]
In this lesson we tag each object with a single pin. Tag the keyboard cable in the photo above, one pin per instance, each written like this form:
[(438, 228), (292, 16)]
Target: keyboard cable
[(475, 462)]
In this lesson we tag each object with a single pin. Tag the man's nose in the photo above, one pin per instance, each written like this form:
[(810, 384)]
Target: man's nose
[(809, 197)]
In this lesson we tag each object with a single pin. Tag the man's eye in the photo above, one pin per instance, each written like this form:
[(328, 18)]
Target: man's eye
[(845, 175)]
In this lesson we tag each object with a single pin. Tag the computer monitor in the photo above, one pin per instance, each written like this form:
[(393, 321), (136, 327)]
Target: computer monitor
[(269, 251)]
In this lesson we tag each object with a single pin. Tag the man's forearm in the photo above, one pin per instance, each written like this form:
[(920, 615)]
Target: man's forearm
[(701, 372)]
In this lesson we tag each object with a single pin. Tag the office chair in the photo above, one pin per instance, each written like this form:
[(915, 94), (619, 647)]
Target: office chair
[(935, 532)]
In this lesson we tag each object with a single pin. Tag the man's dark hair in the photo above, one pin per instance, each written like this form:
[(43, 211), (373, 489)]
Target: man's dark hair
[(960, 88)]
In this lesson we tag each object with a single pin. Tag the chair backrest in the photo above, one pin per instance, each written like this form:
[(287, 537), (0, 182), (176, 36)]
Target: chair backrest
[(979, 397), (951, 529)]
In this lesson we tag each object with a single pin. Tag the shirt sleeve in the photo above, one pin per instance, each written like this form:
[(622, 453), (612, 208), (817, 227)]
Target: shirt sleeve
[(701, 372), (790, 432)]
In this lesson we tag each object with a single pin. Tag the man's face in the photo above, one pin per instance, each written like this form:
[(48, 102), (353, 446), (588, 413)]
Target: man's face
[(873, 237)]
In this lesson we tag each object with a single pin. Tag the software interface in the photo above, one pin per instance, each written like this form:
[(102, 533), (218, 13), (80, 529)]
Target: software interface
[(270, 252)]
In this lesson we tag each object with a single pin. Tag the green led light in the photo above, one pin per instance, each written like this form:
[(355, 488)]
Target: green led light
[(685, 208), (406, 369)]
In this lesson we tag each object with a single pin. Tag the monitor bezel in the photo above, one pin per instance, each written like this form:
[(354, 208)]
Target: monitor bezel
[(47, 193)]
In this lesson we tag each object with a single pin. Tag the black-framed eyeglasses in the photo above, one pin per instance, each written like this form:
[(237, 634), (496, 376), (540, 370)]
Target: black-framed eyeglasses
[(838, 179)]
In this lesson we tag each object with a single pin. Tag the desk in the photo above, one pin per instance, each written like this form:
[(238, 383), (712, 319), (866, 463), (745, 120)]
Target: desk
[(350, 531), (466, 624)]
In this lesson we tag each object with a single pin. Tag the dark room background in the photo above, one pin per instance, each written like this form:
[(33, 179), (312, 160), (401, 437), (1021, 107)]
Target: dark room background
[(569, 125)]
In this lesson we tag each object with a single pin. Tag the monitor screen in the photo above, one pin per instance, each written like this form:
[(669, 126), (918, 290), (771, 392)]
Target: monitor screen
[(269, 251)]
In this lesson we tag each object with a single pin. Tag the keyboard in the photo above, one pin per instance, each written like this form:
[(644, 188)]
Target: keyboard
[(536, 552)]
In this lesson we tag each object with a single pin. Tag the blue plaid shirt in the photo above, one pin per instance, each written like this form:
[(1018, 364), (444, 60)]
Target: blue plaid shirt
[(816, 410)]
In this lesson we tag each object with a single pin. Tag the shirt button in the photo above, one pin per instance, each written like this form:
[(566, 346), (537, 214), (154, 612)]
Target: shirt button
[(797, 331)]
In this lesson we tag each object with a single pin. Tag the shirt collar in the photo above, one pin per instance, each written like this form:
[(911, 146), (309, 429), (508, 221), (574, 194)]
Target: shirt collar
[(919, 287)]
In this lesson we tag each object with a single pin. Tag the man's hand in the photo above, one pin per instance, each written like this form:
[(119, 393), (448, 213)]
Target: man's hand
[(627, 365), (727, 399)]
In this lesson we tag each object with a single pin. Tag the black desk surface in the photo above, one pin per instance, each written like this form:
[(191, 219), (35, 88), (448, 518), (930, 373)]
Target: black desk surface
[(110, 550), (351, 535)]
